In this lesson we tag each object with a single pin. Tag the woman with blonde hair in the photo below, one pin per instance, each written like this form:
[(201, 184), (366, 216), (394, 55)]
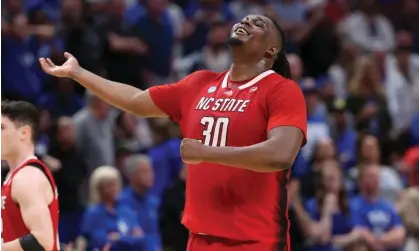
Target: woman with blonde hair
[(367, 100), (106, 221)]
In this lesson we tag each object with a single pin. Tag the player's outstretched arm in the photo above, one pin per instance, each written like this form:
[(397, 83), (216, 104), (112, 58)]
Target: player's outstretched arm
[(123, 96), (33, 192)]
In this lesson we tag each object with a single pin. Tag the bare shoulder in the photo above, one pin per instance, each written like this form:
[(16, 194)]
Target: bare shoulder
[(29, 181)]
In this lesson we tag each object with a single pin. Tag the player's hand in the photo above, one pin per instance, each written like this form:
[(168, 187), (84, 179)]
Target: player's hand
[(191, 151), (66, 70)]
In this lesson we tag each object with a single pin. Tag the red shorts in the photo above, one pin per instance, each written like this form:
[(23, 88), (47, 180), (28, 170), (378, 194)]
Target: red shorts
[(198, 242)]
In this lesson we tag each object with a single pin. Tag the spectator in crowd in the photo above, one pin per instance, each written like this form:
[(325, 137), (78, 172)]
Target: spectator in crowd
[(414, 130), (340, 72), (343, 135), (68, 178), (11, 8), (174, 234), (107, 221), (156, 30), (407, 20), (80, 37), (317, 39), (402, 83), (123, 50), (291, 13), (368, 29), (410, 167), (132, 133), (165, 155), (409, 212), (369, 153), (122, 153), (43, 141), (20, 75), (324, 150), (62, 101), (337, 10), (326, 219), (215, 56), (200, 16), (317, 127), (296, 66), (243, 8), (380, 225), (94, 135), (137, 196), (367, 99)]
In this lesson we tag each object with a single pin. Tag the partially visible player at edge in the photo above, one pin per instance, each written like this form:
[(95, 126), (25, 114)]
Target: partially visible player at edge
[(243, 129), (29, 199)]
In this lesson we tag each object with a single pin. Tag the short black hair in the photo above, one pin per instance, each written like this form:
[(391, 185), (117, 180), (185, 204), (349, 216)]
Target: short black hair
[(22, 113), (281, 65)]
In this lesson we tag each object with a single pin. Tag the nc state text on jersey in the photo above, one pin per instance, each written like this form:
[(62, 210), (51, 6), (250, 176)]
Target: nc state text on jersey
[(222, 104)]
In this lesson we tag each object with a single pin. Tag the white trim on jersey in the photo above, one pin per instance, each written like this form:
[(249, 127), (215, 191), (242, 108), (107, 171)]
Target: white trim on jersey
[(248, 84), (18, 166)]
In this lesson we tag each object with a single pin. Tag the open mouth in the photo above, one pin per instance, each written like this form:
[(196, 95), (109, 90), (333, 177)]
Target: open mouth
[(241, 30)]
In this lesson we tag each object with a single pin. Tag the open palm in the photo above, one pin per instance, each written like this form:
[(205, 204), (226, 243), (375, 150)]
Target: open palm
[(65, 70)]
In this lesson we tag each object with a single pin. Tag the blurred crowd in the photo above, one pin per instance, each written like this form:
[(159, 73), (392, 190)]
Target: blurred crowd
[(121, 179)]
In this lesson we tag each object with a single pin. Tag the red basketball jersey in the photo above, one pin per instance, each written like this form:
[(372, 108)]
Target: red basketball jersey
[(12, 221), (225, 201)]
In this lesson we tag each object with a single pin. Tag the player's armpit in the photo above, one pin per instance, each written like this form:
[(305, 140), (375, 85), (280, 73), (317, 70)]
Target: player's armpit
[(32, 190), (275, 154)]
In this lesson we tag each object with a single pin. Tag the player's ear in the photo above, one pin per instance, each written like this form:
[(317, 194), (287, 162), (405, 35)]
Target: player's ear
[(272, 52), (25, 132)]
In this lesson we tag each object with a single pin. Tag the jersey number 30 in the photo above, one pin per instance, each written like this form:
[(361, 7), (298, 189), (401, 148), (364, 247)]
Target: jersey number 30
[(215, 133)]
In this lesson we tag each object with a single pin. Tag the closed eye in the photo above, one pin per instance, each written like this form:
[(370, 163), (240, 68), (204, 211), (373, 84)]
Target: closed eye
[(259, 23)]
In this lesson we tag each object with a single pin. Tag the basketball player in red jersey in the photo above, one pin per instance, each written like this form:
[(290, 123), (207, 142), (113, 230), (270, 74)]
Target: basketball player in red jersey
[(243, 129), (29, 204)]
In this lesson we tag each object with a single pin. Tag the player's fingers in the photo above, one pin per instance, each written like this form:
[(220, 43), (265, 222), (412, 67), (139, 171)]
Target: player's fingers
[(44, 65), (49, 61), (68, 55)]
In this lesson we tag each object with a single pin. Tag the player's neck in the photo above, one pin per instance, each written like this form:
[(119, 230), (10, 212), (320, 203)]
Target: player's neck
[(20, 157), (244, 71), (243, 68)]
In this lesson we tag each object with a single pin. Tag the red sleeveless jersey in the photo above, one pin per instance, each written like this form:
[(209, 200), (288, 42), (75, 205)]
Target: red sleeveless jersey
[(12, 221), (221, 200)]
